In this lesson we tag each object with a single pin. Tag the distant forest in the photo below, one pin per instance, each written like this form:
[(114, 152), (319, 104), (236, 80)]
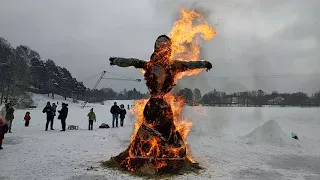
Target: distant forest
[(22, 70)]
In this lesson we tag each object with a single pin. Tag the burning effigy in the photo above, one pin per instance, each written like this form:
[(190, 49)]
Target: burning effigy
[(159, 138)]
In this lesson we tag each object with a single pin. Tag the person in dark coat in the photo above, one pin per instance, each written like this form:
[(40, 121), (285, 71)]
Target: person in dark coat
[(122, 113), (9, 115), (63, 116), (115, 114), (50, 115)]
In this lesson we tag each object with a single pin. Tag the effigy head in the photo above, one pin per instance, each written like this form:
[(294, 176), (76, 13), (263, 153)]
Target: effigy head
[(162, 48)]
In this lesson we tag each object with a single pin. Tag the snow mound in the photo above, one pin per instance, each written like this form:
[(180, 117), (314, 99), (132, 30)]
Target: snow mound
[(270, 133)]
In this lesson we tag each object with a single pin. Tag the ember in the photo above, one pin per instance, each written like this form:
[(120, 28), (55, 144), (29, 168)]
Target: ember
[(160, 132)]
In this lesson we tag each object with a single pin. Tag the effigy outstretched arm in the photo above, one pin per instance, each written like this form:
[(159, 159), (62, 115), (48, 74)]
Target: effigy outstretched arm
[(127, 62), (191, 65)]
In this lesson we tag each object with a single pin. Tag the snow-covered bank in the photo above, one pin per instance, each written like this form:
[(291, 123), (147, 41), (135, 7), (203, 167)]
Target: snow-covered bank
[(215, 140)]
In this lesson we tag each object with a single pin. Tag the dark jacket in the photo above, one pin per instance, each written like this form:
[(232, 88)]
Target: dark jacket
[(122, 113), (63, 112), (49, 111), (9, 113), (115, 109)]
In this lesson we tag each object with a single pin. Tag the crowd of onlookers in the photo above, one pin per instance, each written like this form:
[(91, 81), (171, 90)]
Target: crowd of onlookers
[(117, 111), (7, 116), (51, 110)]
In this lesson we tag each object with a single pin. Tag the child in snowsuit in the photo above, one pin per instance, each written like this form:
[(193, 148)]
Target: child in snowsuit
[(27, 119), (92, 117), (3, 130), (122, 113)]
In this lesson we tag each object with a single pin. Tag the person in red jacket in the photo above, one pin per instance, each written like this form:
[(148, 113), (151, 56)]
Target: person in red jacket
[(27, 118), (3, 130)]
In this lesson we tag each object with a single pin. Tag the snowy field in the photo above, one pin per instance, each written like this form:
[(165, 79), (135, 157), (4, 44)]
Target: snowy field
[(230, 143)]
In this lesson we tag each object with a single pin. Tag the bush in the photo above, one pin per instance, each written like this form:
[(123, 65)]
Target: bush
[(22, 101)]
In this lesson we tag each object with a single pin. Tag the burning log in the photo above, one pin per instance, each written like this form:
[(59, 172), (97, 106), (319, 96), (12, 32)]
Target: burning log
[(159, 140)]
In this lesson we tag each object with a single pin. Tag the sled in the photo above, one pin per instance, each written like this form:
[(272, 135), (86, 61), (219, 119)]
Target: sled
[(73, 127)]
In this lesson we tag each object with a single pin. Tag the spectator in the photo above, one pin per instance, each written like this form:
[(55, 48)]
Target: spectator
[(3, 130), (48, 110), (122, 113), (3, 112), (115, 114), (63, 114), (9, 115), (27, 119), (92, 117), (54, 109)]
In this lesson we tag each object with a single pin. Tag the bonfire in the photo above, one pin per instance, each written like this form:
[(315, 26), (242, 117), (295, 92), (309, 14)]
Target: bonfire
[(159, 138)]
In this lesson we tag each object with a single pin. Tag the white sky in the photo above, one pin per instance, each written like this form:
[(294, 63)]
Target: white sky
[(254, 38)]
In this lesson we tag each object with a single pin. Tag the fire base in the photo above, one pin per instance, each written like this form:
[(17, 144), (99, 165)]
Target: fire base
[(147, 167), (151, 154)]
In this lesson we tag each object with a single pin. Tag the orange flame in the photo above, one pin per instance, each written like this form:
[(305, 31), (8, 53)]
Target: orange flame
[(185, 42), (137, 110)]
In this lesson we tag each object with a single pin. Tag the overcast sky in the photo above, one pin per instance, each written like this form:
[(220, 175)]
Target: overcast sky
[(254, 38)]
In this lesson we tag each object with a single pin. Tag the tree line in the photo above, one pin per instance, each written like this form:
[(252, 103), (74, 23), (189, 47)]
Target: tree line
[(249, 98), (22, 70)]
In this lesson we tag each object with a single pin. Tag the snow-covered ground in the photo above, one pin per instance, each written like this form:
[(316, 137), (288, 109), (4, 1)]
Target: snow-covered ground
[(230, 143)]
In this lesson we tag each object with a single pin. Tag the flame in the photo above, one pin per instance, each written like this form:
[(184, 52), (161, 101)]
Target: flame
[(137, 110), (185, 38), (182, 126), (185, 46)]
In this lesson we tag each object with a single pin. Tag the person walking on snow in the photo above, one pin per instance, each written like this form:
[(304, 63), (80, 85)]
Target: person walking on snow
[(3, 130), (63, 116), (92, 117), (122, 113), (9, 115), (49, 111), (115, 114), (27, 119)]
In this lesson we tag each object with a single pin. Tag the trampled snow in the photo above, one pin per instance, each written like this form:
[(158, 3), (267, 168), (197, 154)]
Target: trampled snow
[(216, 142)]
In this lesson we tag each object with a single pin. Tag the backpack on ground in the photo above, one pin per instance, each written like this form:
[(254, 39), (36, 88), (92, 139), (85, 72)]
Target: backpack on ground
[(104, 126)]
